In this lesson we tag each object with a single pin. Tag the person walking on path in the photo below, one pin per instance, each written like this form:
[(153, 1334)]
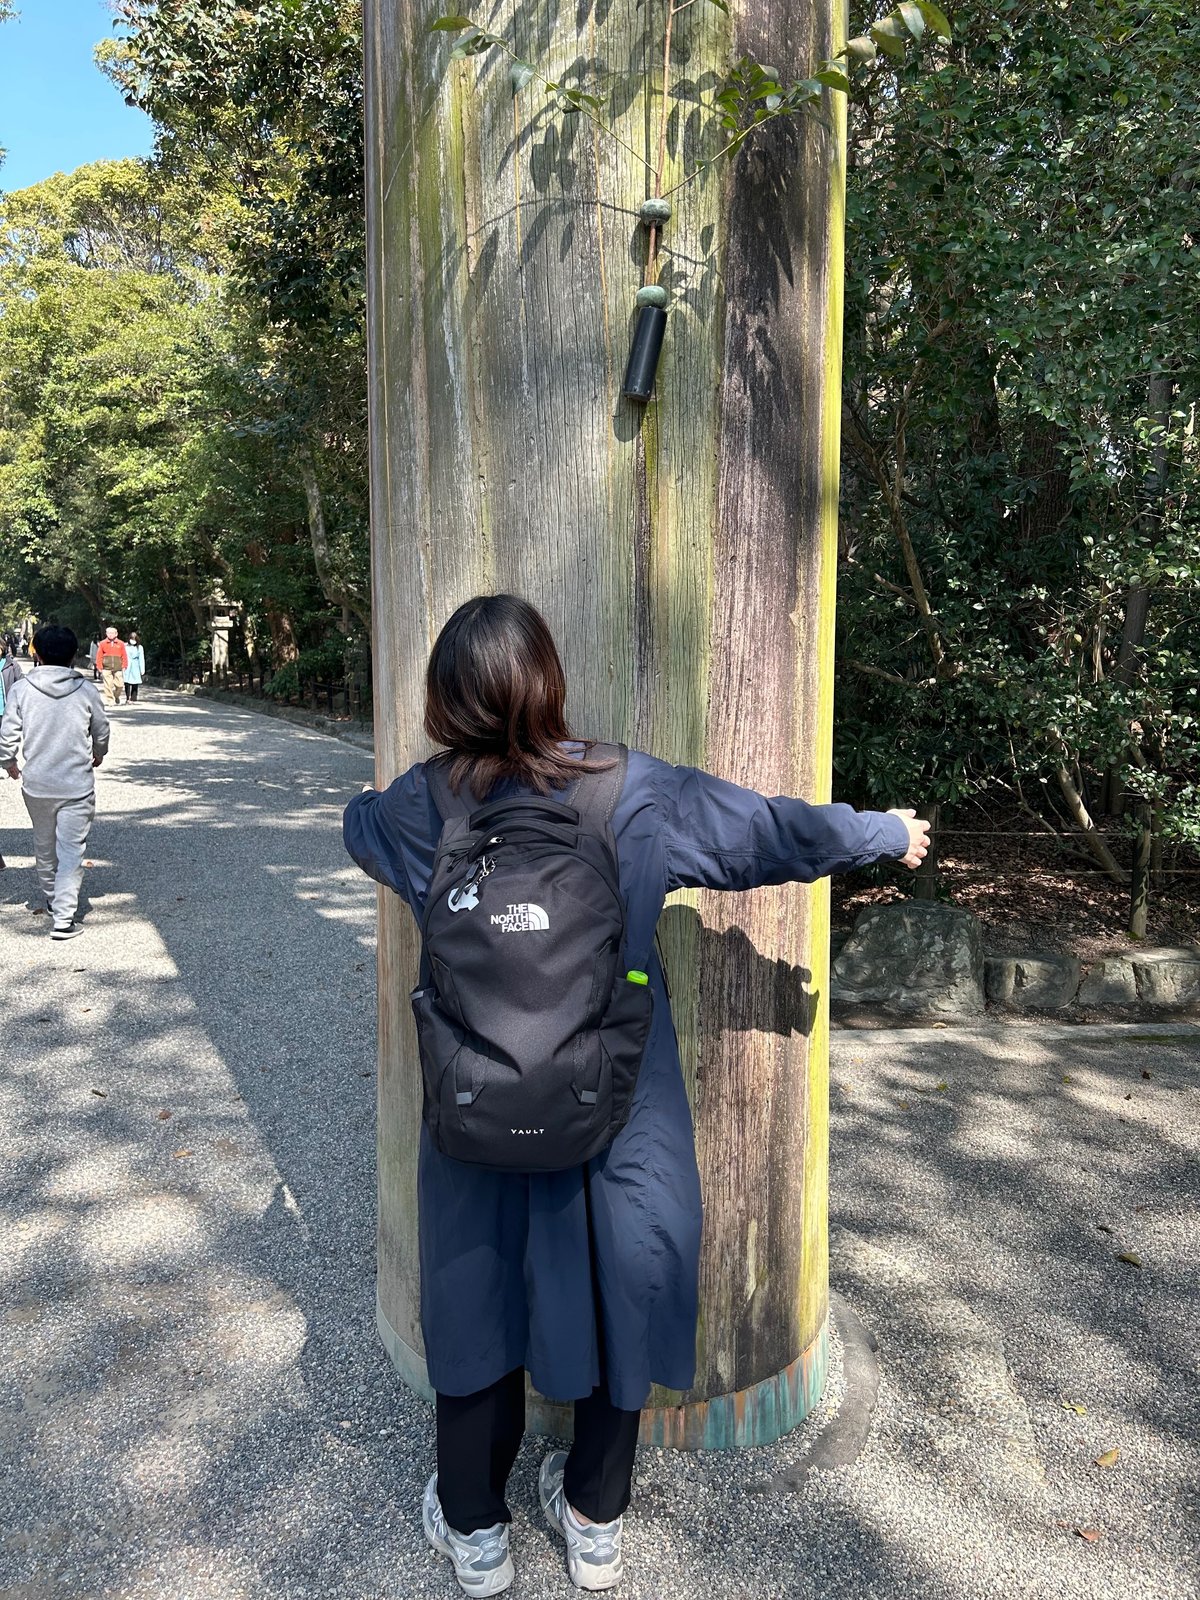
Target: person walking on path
[(112, 658), (135, 671), (93, 651), (54, 716), (10, 676), (586, 1277)]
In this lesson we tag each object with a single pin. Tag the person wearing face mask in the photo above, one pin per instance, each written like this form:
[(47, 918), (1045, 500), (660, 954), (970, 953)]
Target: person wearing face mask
[(135, 671)]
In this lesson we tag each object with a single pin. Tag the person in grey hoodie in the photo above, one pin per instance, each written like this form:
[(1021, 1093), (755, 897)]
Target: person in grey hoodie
[(10, 676), (57, 717)]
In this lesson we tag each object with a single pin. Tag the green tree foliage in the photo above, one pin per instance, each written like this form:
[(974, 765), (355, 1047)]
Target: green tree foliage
[(107, 308), (264, 103), (262, 494), (1021, 540), (141, 473)]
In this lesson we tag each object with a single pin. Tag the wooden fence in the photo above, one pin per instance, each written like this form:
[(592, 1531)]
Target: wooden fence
[(347, 697)]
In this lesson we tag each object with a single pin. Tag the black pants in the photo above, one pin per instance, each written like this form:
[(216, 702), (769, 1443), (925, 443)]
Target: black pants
[(478, 1436), (131, 690)]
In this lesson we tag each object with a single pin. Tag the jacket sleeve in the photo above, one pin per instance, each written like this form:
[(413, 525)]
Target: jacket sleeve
[(392, 834), (99, 725), (717, 835), (10, 728)]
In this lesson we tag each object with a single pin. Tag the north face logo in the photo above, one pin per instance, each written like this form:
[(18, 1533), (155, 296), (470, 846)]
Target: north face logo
[(521, 919)]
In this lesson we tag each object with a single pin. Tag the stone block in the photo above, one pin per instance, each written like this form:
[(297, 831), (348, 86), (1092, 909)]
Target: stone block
[(1045, 981), (914, 957), (1167, 977), (1109, 983)]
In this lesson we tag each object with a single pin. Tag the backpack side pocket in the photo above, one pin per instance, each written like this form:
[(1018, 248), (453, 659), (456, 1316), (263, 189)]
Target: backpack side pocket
[(440, 1040), (623, 1036)]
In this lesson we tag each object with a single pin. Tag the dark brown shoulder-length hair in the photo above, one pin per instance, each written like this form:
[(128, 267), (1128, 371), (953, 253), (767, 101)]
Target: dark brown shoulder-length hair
[(494, 699)]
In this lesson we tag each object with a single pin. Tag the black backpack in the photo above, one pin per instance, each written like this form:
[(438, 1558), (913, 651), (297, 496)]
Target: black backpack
[(531, 1030)]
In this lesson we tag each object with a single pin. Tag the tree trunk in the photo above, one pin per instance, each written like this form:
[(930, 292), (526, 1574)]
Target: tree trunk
[(335, 590), (684, 554), (1159, 397), (284, 649), (1139, 898), (926, 877)]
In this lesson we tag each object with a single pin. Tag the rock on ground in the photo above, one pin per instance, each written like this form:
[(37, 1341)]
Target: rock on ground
[(1041, 981), (913, 956)]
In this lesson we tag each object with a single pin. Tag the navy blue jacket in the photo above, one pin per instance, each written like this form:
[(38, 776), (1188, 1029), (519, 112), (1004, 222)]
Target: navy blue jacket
[(506, 1276)]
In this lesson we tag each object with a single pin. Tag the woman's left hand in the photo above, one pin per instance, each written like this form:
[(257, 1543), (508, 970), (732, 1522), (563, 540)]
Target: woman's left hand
[(918, 837)]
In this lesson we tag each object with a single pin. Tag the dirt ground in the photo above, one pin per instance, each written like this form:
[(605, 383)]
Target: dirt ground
[(1032, 893)]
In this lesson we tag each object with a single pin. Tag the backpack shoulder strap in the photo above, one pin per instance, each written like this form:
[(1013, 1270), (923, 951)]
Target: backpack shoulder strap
[(596, 794), (446, 802)]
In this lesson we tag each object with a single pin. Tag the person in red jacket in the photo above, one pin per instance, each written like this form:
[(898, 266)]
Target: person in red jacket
[(112, 658)]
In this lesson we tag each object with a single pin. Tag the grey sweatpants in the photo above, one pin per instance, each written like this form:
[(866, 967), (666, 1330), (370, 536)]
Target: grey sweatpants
[(60, 832)]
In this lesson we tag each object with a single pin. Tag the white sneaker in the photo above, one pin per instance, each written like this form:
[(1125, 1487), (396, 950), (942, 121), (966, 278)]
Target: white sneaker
[(481, 1560), (593, 1548)]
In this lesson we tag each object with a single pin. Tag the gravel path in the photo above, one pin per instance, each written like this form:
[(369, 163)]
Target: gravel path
[(194, 1401)]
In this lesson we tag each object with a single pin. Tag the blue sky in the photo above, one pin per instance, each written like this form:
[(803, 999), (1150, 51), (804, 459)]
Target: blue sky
[(56, 110)]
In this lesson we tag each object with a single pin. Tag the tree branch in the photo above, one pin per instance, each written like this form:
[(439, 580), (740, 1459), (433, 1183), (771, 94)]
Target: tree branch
[(1083, 821)]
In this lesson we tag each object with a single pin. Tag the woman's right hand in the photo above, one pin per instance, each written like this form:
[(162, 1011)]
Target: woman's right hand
[(918, 836)]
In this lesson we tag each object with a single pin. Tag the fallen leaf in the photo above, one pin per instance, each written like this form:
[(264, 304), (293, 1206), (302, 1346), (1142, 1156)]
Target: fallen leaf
[(182, 1152), (1129, 1097), (1067, 1078), (1090, 1534), (1145, 1074), (1104, 1227), (103, 1093), (1108, 1458), (939, 1024), (1129, 1256), (904, 1104), (85, 1008), (1074, 1405), (941, 1087), (163, 1115)]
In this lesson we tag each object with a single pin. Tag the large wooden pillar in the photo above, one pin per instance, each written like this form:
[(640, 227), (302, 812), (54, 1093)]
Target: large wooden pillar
[(684, 555)]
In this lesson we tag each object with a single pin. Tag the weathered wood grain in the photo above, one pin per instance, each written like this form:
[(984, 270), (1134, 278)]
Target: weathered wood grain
[(683, 554)]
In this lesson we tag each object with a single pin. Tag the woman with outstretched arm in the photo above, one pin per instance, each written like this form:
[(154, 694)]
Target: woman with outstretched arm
[(585, 1277)]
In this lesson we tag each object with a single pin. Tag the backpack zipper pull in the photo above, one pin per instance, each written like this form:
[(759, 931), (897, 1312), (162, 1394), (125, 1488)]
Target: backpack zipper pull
[(483, 867)]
